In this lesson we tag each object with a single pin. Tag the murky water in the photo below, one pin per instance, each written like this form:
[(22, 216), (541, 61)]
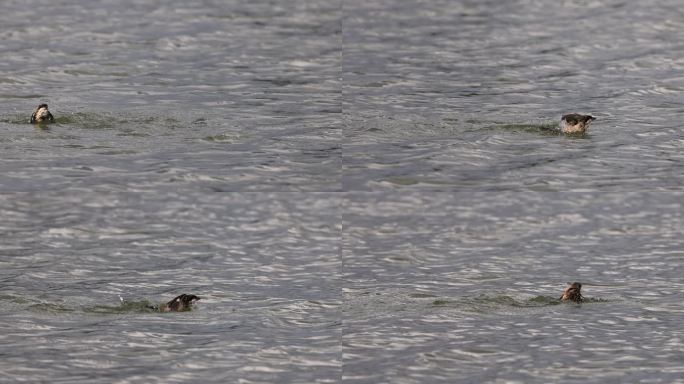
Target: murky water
[(464, 288), (443, 95), (228, 96), (161, 109), (265, 265), (366, 192)]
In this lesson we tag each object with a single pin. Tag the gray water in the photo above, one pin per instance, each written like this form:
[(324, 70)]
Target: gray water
[(265, 266), (222, 96), (464, 288), (360, 192), (174, 122), (454, 95)]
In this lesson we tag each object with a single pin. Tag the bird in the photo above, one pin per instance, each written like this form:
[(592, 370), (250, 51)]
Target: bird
[(575, 123), (179, 303), (572, 293), (42, 115)]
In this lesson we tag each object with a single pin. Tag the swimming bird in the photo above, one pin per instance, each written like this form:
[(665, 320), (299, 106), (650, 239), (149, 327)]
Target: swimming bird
[(575, 123), (179, 303), (573, 293), (41, 114)]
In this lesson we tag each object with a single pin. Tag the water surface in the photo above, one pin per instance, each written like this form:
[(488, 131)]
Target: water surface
[(443, 95), (265, 265), (186, 136), (444, 288), (230, 96)]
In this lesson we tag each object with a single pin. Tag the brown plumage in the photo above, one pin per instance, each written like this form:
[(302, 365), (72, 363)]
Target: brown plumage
[(42, 115), (180, 303), (572, 293), (575, 123)]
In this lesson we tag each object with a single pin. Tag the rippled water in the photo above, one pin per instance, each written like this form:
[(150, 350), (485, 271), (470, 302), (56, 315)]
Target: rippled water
[(160, 107), (360, 192), (444, 95), (231, 96), (464, 288), (265, 265)]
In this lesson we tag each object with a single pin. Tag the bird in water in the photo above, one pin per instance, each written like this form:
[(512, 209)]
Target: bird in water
[(42, 115), (575, 123), (179, 303), (572, 293)]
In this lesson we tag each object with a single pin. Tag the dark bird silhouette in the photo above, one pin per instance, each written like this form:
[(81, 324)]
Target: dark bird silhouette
[(575, 123), (572, 293), (180, 303), (42, 115)]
